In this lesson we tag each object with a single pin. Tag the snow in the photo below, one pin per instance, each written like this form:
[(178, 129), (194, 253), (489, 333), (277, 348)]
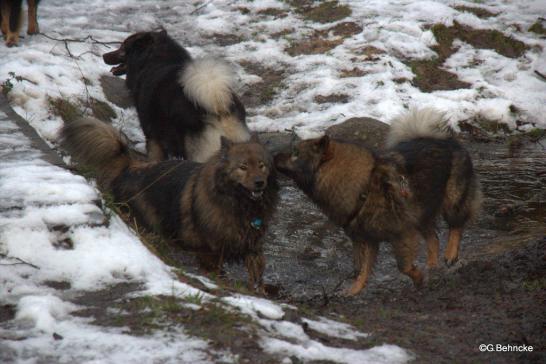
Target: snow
[(313, 350), (36, 198), (256, 306), (334, 328), (43, 205)]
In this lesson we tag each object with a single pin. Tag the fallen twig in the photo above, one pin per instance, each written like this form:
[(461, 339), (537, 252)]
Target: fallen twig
[(201, 7), (81, 40), (541, 75), (19, 261)]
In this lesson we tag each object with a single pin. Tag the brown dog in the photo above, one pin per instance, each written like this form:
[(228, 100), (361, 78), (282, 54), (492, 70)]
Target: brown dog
[(394, 195), (11, 15), (220, 208)]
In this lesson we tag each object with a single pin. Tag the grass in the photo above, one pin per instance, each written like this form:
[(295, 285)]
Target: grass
[(429, 75), (479, 38), (538, 28), (324, 12), (479, 12)]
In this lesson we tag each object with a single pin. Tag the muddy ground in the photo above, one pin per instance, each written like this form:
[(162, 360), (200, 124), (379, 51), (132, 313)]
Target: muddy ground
[(495, 294)]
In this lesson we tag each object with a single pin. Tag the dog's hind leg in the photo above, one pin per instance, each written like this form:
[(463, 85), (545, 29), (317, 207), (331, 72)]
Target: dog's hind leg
[(405, 251), (364, 254), (461, 203), (255, 266), (33, 17), (433, 246)]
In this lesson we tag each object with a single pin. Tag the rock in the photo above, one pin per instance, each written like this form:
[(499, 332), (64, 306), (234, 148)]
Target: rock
[(277, 141), (115, 91), (367, 131)]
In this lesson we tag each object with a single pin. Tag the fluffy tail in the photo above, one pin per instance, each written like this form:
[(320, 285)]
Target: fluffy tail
[(209, 82), (98, 146), (419, 123)]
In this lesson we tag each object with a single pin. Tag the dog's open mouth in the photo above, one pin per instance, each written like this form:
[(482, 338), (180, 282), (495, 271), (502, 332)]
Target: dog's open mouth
[(119, 70), (256, 195)]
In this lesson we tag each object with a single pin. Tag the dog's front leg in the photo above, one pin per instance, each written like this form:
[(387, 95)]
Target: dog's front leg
[(364, 255), (255, 266)]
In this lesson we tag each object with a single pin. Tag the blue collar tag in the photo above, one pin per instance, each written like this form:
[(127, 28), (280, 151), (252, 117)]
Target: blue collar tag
[(256, 223)]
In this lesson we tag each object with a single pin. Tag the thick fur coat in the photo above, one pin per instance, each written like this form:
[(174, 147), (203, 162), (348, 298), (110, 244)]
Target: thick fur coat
[(221, 208), (392, 195), (184, 105)]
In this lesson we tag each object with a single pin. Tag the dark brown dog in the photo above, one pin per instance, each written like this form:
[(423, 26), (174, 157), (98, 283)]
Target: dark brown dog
[(221, 208), (394, 195), (11, 14)]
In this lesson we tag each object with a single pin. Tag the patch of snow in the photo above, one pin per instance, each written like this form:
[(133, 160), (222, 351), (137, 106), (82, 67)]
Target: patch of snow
[(314, 350), (255, 306), (334, 328)]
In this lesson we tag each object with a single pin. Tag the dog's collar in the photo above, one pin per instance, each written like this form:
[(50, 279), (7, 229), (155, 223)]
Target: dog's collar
[(256, 223)]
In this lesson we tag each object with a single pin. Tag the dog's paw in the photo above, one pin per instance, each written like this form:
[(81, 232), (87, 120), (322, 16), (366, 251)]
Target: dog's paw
[(450, 261)]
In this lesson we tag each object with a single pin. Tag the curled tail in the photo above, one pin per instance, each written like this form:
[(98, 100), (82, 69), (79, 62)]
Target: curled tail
[(209, 82), (419, 123), (96, 145)]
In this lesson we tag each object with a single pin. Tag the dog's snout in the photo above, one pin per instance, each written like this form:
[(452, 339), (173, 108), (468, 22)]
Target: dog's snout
[(259, 183)]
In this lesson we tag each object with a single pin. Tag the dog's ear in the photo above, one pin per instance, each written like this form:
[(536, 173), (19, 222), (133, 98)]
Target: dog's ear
[(139, 41), (322, 144), (322, 147), (162, 33)]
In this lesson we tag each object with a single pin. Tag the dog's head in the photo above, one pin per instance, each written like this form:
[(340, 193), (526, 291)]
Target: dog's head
[(303, 160), (137, 42), (248, 167)]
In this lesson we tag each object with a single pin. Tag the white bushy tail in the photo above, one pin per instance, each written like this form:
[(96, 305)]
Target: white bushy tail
[(209, 82), (419, 123)]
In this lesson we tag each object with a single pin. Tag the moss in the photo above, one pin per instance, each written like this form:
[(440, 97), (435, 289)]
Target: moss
[(538, 28), (479, 12), (315, 45), (493, 126), (479, 38), (344, 30), (333, 98), (354, 72), (262, 92), (444, 36), (328, 11), (274, 12), (324, 12), (430, 77)]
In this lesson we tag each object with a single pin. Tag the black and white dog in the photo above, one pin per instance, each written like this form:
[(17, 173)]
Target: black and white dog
[(184, 105)]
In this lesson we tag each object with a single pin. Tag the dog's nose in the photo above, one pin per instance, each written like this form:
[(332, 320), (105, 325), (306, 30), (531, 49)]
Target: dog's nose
[(259, 183)]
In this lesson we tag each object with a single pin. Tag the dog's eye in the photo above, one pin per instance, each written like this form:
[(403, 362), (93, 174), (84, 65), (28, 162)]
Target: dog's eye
[(243, 167), (262, 165)]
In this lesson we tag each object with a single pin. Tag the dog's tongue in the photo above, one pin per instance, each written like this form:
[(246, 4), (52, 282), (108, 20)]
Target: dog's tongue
[(118, 70)]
